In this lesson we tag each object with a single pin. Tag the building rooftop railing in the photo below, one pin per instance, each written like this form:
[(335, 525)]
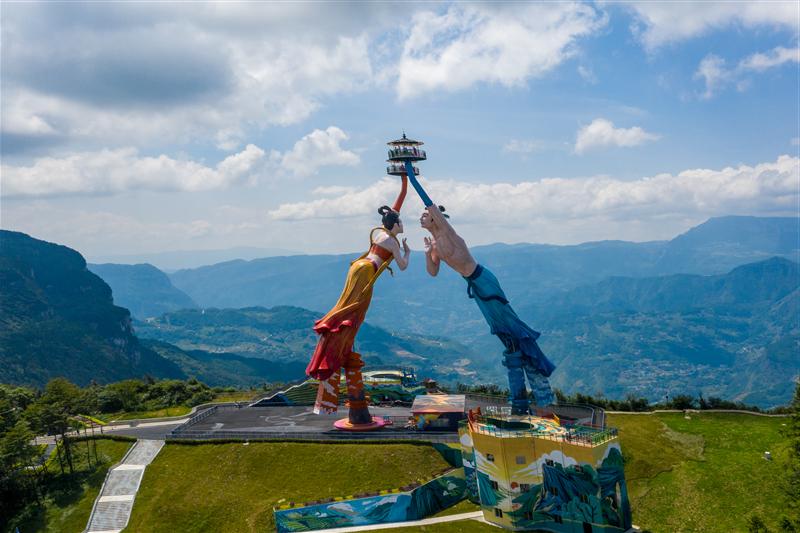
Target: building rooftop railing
[(572, 434)]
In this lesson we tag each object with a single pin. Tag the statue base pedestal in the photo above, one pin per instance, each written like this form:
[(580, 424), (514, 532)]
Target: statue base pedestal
[(345, 425)]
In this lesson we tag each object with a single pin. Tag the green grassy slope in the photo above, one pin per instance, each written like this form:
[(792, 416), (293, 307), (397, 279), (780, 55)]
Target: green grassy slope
[(232, 487), (706, 473)]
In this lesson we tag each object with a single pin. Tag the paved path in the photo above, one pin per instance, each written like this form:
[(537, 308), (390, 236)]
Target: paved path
[(112, 508), (475, 515)]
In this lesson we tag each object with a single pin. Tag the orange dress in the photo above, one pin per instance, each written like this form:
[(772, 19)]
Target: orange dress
[(338, 328)]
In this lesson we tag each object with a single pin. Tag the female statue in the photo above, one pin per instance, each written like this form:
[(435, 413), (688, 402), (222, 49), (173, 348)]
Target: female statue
[(337, 330)]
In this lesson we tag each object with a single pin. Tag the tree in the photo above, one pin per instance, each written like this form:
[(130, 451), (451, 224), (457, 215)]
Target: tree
[(18, 454), (682, 401), (791, 485), (52, 413)]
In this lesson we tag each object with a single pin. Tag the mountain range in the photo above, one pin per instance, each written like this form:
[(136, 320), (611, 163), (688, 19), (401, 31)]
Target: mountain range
[(143, 289), (57, 318), (412, 301), (715, 311)]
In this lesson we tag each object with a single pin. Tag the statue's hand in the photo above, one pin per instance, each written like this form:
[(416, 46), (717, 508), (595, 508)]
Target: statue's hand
[(428, 245), (406, 249)]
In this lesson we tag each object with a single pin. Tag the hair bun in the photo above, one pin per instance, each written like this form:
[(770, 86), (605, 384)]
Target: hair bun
[(441, 208), (384, 209)]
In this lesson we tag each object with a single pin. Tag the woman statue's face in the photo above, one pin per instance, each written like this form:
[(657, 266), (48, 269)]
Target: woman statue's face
[(398, 227)]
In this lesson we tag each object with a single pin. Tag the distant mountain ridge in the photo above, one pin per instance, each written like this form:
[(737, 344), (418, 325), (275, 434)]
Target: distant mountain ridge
[(143, 289), (175, 260), (744, 286), (527, 272)]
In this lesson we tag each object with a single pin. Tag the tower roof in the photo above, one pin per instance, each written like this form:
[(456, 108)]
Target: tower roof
[(405, 140)]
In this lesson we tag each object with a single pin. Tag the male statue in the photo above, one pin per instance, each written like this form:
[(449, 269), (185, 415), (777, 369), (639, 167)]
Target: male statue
[(522, 356)]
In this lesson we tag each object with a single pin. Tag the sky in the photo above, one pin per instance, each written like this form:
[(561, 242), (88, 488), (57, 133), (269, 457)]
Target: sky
[(140, 127)]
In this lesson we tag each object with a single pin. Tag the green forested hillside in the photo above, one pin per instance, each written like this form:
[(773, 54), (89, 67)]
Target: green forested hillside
[(735, 336), (228, 369), (58, 319), (284, 335)]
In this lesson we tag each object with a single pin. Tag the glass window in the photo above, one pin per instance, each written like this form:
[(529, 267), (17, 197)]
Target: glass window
[(494, 485), (520, 459), (490, 457), (524, 487), (498, 512)]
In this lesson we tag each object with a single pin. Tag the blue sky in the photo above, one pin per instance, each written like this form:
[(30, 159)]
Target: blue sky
[(144, 127)]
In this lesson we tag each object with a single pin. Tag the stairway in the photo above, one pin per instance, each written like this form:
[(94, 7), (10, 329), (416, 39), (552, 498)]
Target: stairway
[(112, 508)]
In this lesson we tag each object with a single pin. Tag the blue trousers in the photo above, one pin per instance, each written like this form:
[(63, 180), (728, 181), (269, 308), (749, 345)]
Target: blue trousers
[(522, 356)]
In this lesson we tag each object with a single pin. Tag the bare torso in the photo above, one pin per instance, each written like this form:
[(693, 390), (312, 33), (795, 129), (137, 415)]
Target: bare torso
[(449, 247)]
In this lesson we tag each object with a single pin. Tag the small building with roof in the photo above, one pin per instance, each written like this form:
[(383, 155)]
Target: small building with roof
[(439, 412)]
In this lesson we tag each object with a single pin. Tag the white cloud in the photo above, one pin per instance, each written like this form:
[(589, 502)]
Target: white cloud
[(716, 75), (554, 203), (141, 74), (115, 171), (587, 74), (601, 132), (474, 43), (523, 146), (660, 23), (108, 232), (548, 210), (317, 149), (774, 58), (713, 73)]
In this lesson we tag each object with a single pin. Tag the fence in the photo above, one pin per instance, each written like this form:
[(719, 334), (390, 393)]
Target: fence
[(422, 436)]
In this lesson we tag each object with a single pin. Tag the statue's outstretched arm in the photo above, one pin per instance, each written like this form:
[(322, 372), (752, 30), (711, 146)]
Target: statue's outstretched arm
[(402, 195), (417, 187)]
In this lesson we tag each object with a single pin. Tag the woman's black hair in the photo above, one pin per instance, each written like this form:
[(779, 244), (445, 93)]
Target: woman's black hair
[(441, 210), (390, 216)]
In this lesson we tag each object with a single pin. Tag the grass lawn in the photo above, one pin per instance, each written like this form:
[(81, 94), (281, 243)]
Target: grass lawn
[(706, 473), (237, 396), (69, 499), (178, 410), (232, 487)]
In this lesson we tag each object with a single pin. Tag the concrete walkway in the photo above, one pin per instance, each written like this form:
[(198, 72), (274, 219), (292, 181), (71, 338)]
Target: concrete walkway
[(475, 515), (112, 508)]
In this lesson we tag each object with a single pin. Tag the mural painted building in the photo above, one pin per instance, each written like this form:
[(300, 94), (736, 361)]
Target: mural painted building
[(536, 473)]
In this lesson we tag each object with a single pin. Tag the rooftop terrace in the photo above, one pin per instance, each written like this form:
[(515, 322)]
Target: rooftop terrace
[(498, 423)]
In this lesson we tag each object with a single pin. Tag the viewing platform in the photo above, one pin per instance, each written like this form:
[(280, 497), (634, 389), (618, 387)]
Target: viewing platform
[(403, 150), (398, 169)]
